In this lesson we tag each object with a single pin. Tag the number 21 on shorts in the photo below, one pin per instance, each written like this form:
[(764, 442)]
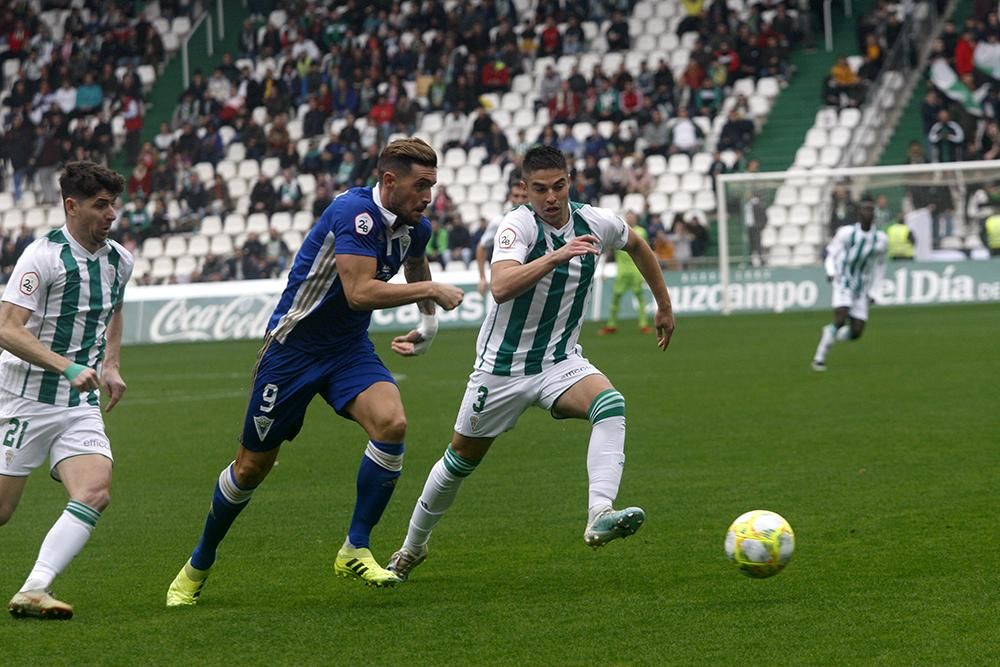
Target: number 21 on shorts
[(14, 436)]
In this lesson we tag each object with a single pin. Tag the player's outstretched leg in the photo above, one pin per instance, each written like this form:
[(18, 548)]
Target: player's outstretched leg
[(605, 461), (380, 468), (228, 500), (439, 493)]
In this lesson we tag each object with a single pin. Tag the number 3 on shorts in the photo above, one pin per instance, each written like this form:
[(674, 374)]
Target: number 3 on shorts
[(481, 402), (11, 437)]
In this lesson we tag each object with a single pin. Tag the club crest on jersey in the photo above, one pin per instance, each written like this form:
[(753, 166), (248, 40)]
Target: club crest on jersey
[(363, 223), (29, 283), (263, 425), (506, 238), (9, 457), (474, 422)]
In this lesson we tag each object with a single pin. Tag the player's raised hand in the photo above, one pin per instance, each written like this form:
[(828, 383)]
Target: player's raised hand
[(664, 321), (588, 244), (113, 385), (447, 296)]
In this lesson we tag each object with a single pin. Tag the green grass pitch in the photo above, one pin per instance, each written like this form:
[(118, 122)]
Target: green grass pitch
[(886, 466)]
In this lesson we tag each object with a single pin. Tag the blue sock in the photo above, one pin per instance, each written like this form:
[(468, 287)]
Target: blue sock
[(227, 503), (380, 468)]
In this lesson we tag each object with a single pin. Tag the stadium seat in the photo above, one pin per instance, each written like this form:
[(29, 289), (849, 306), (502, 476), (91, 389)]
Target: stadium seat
[(198, 246), (249, 169), (221, 244), (281, 221), (211, 225), (293, 239), (35, 218), (257, 223), (226, 169), (645, 43), (162, 269), (139, 269), (205, 171), (171, 43), (180, 26), (666, 10), (643, 10), (12, 220), (234, 224), (800, 214), (467, 175), (237, 187), (786, 195), (490, 174), (826, 118), (455, 265), (830, 156), (476, 156), (681, 202), (302, 221), (634, 202), (700, 162), (816, 138), (839, 137), (523, 119), (810, 195), (581, 131), (760, 106), (744, 87), (769, 87), (789, 234), (705, 200), (850, 117), (454, 158), (456, 192), (668, 42), (307, 183), (147, 75), (491, 209), (768, 236), (270, 166), (184, 267), (613, 202), (657, 165), (776, 215), (468, 213), (175, 246), (668, 183), (692, 181), (779, 255), (679, 164), (658, 203), (522, 83), (235, 152), (656, 25), (806, 157), (478, 193), (152, 248), (512, 102), (812, 233)]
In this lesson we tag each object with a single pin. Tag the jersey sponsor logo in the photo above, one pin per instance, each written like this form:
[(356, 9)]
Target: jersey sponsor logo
[(263, 425), (506, 238), (363, 223), (29, 283)]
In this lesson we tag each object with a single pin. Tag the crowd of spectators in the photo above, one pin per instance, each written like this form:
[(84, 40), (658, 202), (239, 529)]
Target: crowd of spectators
[(350, 75)]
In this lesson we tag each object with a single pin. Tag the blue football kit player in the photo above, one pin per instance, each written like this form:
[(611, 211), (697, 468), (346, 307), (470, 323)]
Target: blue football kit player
[(317, 344)]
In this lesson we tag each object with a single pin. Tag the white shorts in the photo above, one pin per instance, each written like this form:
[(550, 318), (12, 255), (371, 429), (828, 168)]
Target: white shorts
[(30, 431), (493, 403), (844, 298)]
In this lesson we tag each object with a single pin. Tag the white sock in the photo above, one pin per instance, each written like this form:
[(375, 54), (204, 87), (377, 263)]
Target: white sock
[(64, 541), (828, 338), (605, 462), (439, 493), (844, 333)]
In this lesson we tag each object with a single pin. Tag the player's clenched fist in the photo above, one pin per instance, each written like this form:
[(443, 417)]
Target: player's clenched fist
[(447, 296)]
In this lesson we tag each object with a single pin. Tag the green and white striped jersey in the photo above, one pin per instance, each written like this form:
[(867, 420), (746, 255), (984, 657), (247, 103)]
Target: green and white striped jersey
[(72, 295), (540, 328), (856, 258)]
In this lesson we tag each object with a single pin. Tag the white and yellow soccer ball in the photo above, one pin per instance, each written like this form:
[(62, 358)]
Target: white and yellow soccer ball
[(760, 543)]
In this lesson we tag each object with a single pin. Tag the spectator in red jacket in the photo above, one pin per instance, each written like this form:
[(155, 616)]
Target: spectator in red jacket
[(565, 106), (964, 49)]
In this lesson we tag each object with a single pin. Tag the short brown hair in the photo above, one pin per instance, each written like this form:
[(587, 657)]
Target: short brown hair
[(401, 154), (84, 179)]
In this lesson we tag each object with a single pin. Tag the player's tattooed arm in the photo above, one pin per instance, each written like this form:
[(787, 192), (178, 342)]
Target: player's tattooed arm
[(418, 269)]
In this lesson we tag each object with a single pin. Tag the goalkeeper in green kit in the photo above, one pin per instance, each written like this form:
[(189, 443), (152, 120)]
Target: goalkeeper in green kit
[(629, 280)]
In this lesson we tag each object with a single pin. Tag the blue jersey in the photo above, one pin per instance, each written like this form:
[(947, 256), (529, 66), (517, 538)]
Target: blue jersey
[(313, 314)]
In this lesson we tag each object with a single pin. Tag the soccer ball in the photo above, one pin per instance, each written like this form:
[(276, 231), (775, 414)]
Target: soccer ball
[(760, 543)]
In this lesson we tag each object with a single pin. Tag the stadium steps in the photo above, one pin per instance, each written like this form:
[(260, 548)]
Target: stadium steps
[(163, 97), (910, 126), (795, 108)]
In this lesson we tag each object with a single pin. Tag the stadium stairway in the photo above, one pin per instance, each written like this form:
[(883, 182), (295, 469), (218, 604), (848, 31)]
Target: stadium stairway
[(795, 108), (162, 98)]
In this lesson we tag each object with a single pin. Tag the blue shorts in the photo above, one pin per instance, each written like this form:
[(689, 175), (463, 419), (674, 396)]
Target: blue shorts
[(286, 380)]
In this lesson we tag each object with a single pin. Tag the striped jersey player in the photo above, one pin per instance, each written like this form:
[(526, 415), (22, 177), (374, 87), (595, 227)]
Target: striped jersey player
[(855, 266), (544, 261), (60, 330)]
